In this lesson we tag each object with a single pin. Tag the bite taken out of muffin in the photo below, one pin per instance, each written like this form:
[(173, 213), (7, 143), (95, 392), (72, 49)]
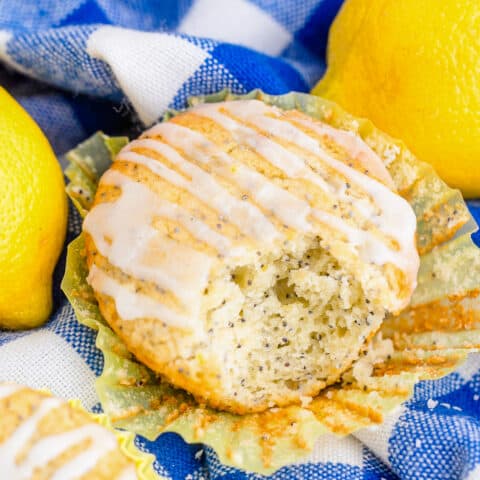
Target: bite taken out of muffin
[(247, 254)]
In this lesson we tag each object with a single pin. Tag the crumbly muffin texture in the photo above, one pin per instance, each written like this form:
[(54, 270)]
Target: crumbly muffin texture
[(42, 437), (282, 328), (248, 254)]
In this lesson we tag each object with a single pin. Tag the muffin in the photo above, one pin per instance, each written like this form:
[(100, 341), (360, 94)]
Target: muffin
[(43, 437), (247, 254)]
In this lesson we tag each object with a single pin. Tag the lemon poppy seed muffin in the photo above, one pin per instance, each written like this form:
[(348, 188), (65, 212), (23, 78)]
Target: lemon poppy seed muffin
[(43, 437), (247, 254)]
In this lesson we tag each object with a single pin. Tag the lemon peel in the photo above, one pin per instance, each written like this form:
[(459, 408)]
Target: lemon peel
[(33, 218), (412, 68)]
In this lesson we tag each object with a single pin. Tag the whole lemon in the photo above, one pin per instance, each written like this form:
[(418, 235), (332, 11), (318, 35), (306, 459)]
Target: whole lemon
[(413, 68), (33, 217)]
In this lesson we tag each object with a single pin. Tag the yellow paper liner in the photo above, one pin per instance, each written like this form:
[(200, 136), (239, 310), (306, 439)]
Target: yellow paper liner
[(430, 338)]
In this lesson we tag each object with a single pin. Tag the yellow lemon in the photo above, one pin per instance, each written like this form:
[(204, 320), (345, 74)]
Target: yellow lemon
[(413, 68), (33, 218)]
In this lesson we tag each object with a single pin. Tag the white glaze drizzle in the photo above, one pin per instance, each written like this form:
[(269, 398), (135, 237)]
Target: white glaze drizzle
[(395, 216), (163, 208), (131, 305), (52, 446), (244, 215), (395, 210), (286, 161), (369, 247), (356, 147), (8, 389), (285, 206), (123, 233), (101, 442), (260, 115), (14, 444), (128, 474)]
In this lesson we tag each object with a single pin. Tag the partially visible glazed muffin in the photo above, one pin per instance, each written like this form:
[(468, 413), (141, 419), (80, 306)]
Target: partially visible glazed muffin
[(43, 437), (247, 254)]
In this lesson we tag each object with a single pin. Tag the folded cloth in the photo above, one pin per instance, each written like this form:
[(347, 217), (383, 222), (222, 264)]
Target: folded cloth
[(117, 65)]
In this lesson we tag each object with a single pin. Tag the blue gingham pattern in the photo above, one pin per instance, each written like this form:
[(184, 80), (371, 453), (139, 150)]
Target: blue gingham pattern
[(82, 65)]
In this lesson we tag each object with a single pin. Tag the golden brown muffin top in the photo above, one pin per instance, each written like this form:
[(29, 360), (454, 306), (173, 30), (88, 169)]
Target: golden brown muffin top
[(222, 181)]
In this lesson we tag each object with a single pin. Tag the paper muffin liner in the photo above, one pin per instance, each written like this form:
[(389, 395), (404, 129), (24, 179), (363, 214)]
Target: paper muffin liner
[(426, 341)]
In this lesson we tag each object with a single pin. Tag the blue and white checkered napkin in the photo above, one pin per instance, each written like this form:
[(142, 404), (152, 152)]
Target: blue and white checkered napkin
[(117, 65)]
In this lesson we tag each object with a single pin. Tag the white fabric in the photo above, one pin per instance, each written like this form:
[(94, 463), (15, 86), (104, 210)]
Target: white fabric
[(151, 76), (376, 438), (468, 369), (474, 474), (157, 70), (236, 21), (4, 38), (330, 448), (45, 360)]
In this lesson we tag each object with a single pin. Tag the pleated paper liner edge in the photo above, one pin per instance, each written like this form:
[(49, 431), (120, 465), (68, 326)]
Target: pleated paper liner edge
[(430, 339)]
